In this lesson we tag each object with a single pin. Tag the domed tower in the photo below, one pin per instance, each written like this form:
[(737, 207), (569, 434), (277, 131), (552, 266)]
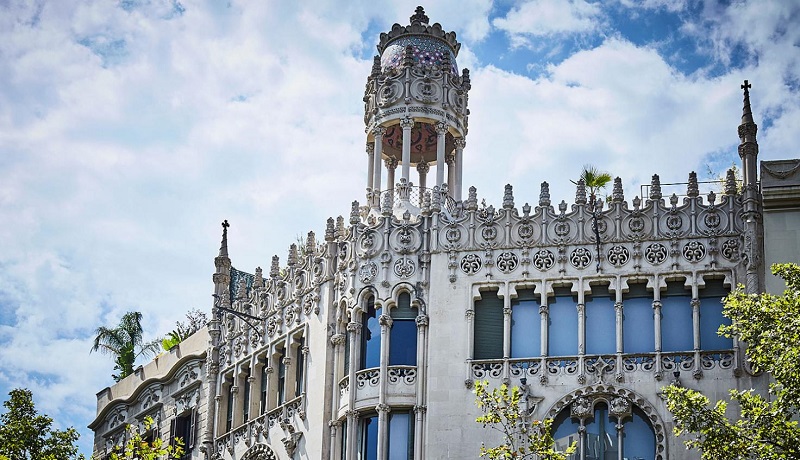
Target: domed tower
[(415, 113)]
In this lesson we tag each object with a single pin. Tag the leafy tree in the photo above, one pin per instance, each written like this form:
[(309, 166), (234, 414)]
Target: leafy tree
[(27, 435), (767, 428), (139, 447), (521, 439), (195, 320), (125, 343), (595, 180)]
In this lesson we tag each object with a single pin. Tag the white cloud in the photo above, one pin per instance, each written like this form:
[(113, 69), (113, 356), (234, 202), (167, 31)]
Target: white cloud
[(536, 18)]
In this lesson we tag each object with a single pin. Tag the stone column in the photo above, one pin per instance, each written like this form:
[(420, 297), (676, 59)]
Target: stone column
[(422, 168), (354, 329), (391, 166), (618, 319), (581, 322), (383, 408), (460, 144), (422, 390), (441, 130), (370, 166), (406, 123), (378, 133), (450, 158)]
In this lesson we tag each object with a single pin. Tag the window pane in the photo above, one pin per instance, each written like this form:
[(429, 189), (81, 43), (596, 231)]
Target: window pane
[(676, 318), (488, 340), (403, 343), (711, 316), (526, 334), (600, 321), (565, 433), (601, 436), (368, 439), (640, 439), (370, 339), (563, 334), (403, 309), (400, 445), (637, 320)]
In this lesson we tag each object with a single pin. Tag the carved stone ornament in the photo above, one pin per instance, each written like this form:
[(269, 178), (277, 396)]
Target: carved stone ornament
[(581, 407), (543, 260), (507, 262), (471, 263), (655, 253), (367, 272), (620, 406), (730, 250), (580, 258), (694, 251), (259, 452), (404, 268), (674, 222), (452, 234), (636, 224), (525, 231), (618, 255)]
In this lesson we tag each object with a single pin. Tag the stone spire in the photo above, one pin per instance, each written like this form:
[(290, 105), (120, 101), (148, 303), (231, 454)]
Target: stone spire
[(222, 274), (748, 146), (223, 248), (748, 152)]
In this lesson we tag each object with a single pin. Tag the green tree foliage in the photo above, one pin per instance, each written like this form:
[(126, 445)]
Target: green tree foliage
[(27, 435), (521, 439), (195, 320), (138, 447), (124, 342), (767, 428), (595, 180)]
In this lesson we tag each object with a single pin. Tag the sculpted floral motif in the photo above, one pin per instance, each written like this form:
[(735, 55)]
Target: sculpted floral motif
[(507, 262), (580, 258), (655, 253), (404, 267), (694, 251), (602, 226), (368, 272), (730, 250), (453, 235), (543, 260), (581, 407), (636, 224), (368, 240), (489, 233), (712, 220), (562, 228), (525, 231), (471, 263), (618, 255), (620, 406), (674, 222)]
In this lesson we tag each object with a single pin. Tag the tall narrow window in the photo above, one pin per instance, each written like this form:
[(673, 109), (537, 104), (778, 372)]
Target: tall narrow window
[(264, 377), (183, 429), (600, 321), (488, 338), (281, 376), (300, 368), (346, 353), (563, 334), (229, 412), (526, 333), (246, 396), (676, 323), (637, 319), (368, 438), (401, 436), (343, 438), (370, 337), (711, 317), (403, 338)]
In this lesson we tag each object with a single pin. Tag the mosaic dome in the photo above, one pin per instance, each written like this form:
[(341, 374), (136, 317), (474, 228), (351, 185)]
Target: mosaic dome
[(427, 51)]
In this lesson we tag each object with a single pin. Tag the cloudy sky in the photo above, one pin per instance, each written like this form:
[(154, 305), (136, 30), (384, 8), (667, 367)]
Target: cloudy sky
[(130, 129)]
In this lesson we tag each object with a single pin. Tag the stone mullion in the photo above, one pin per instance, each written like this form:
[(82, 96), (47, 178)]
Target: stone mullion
[(406, 123), (337, 340), (581, 307), (456, 188), (657, 327), (441, 130), (383, 382), (370, 167), (506, 333), (422, 387), (469, 315), (378, 133), (354, 329)]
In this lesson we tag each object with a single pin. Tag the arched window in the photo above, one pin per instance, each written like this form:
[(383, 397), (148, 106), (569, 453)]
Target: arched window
[(488, 338), (368, 438), (370, 337), (600, 321), (525, 325), (601, 439), (638, 334), (563, 334), (403, 337), (676, 323), (711, 316)]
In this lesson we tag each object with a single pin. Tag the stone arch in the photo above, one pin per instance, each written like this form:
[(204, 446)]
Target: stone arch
[(399, 288), (360, 300), (606, 392), (260, 452)]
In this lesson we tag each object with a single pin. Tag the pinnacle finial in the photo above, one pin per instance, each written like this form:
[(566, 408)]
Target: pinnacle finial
[(747, 113), (419, 16), (223, 248)]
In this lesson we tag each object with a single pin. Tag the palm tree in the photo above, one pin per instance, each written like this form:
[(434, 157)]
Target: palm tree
[(124, 342), (594, 180)]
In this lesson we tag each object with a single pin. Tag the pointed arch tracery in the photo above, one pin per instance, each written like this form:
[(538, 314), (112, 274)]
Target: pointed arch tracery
[(581, 403)]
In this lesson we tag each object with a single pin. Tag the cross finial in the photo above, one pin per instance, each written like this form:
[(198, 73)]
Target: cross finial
[(746, 86), (225, 224)]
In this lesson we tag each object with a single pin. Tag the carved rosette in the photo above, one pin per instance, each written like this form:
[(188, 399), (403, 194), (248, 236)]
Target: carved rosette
[(580, 258), (471, 264), (507, 262)]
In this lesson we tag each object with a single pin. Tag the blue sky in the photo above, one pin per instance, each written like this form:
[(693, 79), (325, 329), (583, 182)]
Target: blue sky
[(129, 130)]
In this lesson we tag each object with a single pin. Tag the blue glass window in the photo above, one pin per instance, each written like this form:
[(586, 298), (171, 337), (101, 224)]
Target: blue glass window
[(638, 333), (368, 438), (370, 338), (711, 316), (403, 337), (401, 436), (563, 334), (601, 330), (526, 334), (676, 318)]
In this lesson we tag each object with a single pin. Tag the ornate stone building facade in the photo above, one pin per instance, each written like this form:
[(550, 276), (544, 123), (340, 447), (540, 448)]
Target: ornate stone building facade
[(367, 346)]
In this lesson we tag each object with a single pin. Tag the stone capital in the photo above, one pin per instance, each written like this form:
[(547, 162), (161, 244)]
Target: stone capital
[(407, 123)]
